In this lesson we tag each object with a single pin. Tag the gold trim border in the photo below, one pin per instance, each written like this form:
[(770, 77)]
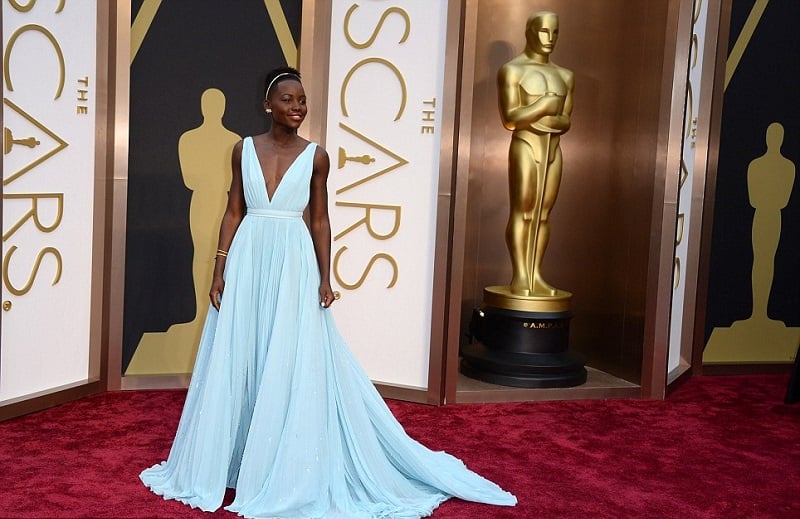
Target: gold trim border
[(281, 26), (144, 19), (743, 40)]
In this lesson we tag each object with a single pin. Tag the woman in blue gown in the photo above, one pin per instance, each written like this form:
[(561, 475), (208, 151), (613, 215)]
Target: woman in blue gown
[(278, 408)]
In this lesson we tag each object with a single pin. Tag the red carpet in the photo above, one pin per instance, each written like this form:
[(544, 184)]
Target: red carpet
[(719, 447)]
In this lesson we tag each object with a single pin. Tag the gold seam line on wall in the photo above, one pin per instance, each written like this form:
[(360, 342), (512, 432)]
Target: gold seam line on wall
[(744, 39), (281, 27), (140, 26)]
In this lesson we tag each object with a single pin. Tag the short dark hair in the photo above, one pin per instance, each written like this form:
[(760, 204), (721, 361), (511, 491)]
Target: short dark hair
[(277, 75)]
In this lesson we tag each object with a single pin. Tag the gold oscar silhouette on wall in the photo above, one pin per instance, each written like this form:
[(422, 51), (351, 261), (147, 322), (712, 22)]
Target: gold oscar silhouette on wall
[(770, 179), (204, 153)]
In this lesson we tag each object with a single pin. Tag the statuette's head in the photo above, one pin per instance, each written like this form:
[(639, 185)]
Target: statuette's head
[(541, 32), (775, 135)]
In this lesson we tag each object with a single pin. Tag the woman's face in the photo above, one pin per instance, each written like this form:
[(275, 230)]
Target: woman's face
[(287, 100)]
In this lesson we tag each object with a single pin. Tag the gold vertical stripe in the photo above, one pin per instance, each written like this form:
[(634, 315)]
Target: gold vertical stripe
[(744, 39), (140, 26), (281, 27)]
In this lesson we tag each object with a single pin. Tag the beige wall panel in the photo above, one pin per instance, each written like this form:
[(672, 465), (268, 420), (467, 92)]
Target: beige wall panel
[(601, 223)]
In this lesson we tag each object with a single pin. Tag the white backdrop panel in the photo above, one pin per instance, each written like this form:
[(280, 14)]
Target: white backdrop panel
[(685, 190), (383, 135), (49, 70)]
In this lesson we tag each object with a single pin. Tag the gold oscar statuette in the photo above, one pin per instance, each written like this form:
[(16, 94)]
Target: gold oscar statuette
[(535, 98), (520, 336)]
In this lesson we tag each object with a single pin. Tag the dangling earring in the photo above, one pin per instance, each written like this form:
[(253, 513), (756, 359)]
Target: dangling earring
[(268, 110)]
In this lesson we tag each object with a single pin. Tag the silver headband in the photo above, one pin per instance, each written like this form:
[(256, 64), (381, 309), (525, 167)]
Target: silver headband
[(269, 87)]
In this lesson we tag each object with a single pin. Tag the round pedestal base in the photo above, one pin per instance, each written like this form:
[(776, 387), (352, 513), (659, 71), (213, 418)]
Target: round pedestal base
[(521, 349)]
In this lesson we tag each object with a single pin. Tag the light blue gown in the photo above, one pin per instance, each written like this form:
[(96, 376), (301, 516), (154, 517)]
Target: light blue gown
[(278, 408)]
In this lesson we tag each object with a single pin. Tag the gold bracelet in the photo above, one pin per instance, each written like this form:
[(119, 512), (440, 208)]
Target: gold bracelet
[(221, 253)]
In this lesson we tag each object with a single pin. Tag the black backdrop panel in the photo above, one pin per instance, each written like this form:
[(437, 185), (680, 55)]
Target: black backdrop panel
[(763, 90), (189, 47)]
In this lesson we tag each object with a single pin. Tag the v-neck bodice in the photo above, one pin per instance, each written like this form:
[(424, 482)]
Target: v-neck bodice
[(291, 193)]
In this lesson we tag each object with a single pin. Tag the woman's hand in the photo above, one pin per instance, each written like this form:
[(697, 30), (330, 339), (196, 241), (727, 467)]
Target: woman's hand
[(217, 287), (326, 295)]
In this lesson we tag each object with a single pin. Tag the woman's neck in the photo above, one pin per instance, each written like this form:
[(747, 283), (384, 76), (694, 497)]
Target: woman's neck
[(282, 136)]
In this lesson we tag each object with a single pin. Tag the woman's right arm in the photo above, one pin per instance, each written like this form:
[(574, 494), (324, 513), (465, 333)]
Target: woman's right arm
[(234, 213)]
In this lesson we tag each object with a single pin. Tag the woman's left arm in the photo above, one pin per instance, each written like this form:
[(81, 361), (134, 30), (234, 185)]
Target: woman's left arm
[(320, 224)]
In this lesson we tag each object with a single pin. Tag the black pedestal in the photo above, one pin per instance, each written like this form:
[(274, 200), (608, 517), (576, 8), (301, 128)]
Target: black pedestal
[(521, 349)]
